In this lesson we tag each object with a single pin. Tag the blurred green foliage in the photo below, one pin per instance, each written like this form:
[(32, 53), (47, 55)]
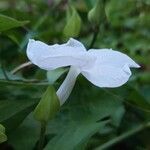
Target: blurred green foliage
[(92, 117)]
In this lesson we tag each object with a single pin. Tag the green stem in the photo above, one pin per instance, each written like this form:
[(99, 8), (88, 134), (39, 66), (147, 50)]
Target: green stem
[(22, 66), (22, 83), (42, 136), (123, 136), (95, 34)]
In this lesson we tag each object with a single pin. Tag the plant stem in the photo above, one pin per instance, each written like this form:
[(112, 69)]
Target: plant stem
[(95, 34), (123, 136), (42, 136), (26, 64), (22, 83)]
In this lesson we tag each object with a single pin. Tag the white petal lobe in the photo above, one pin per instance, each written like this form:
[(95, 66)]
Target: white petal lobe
[(107, 76), (76, 44), (111, 68), (51, 57), (116, 58)]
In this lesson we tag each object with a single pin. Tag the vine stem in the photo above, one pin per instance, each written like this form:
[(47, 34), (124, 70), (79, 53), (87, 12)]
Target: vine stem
[(123, 136), (23, 83), (42, 136), (95, 34), (18, 68)]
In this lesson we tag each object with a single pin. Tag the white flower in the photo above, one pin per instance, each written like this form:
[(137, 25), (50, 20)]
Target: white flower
[(102, 67)]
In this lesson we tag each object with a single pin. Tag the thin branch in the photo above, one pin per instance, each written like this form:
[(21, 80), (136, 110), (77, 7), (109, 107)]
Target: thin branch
[(42, 136), (23, 83), (95, 34), (123, 136), (15, 70)]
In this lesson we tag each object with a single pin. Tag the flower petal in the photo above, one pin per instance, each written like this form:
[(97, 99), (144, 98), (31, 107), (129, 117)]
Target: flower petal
[(76, 44), (55, 56), (116, 58), (65, 89), (111, 68)]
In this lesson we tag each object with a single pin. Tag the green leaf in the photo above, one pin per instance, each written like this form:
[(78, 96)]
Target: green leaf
[(132, 96), (7, 23), (2, 128), (48, 106), (75, 135), (53, 75), (83, 117), (3, 136), (27, 134), (13, 112)]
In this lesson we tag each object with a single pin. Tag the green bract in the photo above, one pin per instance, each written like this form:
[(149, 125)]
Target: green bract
[(97, 13), (73, 26), (48, 106)]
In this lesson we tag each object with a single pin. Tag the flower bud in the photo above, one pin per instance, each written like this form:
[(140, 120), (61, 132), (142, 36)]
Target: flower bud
[(73, 26), (97, 13), (3, 136), (48, 106)]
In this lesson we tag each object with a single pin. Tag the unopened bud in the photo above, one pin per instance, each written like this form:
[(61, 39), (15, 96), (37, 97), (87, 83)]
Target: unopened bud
[(73, 26), (97, 13), (48, 106)]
